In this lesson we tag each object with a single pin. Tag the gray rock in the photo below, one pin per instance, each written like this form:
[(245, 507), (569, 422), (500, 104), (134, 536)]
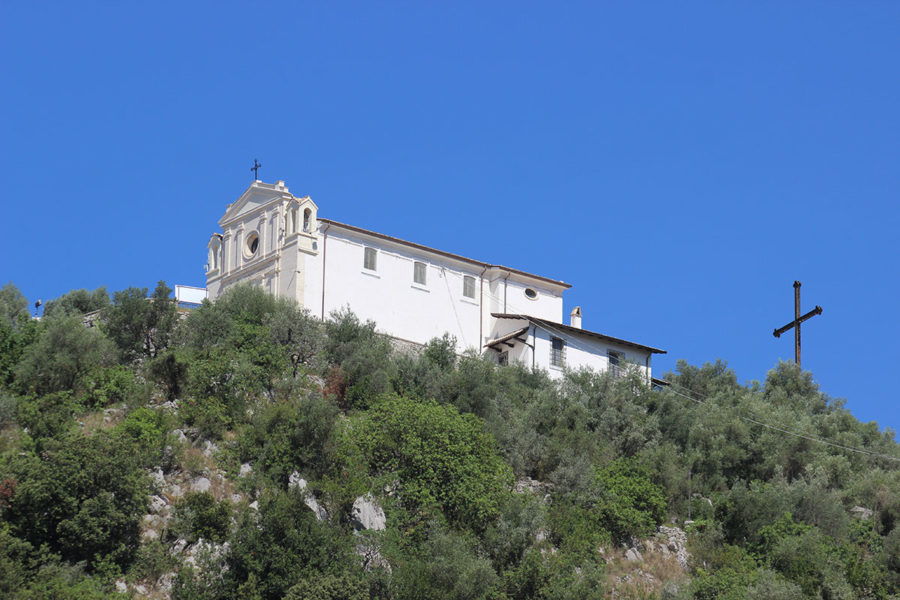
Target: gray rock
[(235, 498), (158, 478), (632, 555), (366, 514), (141, 589), (179, 546), (246, 469), (158, 504), (209, 449), (149, 534), (674, 540), (165, 582), (121, 586), (175, 491), (321, 513), (179, 435), (371, 557), (254, 505), (295, 481), (861, 512), (201, 485)]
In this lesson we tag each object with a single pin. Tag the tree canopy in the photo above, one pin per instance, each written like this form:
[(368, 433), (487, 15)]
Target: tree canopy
[(495, 482)]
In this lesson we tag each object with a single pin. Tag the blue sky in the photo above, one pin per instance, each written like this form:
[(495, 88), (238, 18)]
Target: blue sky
[(680, 164)]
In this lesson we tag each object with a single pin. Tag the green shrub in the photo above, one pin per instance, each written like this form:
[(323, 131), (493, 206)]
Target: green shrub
[(330, 587), (64, 351), (575, 526), (283, 544), (152, 561), (198, 515), (290, 436), (209, 415), (49, 416), (103, 386), (441, 458), (631, 504), (8, 409), (364, 358), (148, 429), (446, 567), (83, 498)]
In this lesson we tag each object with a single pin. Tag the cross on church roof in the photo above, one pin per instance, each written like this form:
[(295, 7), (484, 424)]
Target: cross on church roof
[(255, 169)]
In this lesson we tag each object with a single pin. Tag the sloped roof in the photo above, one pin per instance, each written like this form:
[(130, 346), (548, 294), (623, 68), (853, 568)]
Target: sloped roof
[(458, 257), (506, 337), (579, 332)]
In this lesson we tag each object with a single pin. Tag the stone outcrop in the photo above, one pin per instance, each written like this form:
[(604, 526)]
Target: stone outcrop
[(861, 512), (297, 482), (667, 542), (367, 515)]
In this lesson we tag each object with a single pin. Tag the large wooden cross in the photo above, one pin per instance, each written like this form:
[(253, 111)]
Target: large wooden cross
[(796, 322)]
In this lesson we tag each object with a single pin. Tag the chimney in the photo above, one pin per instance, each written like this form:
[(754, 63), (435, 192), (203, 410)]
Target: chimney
[(575, 317)]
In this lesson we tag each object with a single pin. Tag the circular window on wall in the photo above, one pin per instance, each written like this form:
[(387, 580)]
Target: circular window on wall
[(531, 294), (252, 245)]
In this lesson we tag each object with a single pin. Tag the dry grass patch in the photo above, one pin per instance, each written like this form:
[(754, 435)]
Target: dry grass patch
[(642, 579)]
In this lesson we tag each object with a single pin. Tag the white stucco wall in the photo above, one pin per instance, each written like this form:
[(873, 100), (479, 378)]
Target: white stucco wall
[(389, 296), (581, 351), (584, 352)]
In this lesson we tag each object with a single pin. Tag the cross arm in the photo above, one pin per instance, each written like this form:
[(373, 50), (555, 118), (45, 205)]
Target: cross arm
[(816, 311)]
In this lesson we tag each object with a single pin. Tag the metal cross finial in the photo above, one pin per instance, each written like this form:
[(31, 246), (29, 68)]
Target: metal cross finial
[(255, 168), (796, 322)]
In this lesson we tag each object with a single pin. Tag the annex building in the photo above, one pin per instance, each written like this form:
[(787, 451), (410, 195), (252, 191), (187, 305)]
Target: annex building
[(412, 292)]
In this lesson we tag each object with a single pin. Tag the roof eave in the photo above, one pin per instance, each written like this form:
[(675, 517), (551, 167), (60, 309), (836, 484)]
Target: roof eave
[(578, 331), (460, 258)]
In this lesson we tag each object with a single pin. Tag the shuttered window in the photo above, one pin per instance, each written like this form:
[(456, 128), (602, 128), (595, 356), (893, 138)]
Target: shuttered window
[(419, 273), (557, 352), (370, 261), (469, 286)]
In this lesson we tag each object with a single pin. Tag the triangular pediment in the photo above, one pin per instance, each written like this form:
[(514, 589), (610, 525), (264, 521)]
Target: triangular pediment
[(259, 195)]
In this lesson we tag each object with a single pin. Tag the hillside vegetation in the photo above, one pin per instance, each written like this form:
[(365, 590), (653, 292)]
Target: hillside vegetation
[(248, 450)]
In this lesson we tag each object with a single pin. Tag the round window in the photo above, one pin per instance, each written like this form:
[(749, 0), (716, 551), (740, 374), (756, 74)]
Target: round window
[(530, 294), (252, 245)]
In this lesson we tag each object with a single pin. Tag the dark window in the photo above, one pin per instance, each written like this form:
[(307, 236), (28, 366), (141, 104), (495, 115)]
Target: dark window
[(503, 358), (614, 359), (530, 294), (557, 352), (251, 245)]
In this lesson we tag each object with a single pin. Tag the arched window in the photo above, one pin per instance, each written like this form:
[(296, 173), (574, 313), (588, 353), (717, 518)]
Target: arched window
[(294, 220), (307, 217), (215, 249)]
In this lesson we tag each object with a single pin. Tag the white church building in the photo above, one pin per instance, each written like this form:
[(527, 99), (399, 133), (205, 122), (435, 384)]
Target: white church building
[(412, 292)]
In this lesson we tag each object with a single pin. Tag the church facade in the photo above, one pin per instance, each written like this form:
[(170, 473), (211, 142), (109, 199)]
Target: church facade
[(412, 292)]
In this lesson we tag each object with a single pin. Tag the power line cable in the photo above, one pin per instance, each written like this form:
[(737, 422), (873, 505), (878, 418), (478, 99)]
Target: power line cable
[(808, 437), (742, 417)]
